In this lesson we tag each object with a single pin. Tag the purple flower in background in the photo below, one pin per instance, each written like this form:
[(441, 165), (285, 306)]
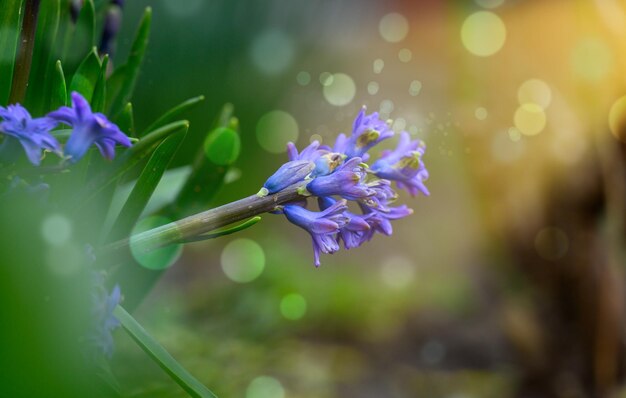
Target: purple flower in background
[(347, 181), (88, 128), (367, 131), (404, 165), (33, 134), (323, 226), (104, 322)]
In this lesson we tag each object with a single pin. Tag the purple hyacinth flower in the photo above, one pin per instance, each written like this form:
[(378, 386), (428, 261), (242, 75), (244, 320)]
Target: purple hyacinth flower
[(325, 161), (404, 165), (347, 181), (104, 322), (323, 226), (379, 219), (33, 134), (354, 233), (288, 174), (88, 128), (367, 131)]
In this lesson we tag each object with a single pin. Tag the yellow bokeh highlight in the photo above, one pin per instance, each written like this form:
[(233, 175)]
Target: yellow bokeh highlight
[(617, 119), (535, 91), (530, 119), (483, 33), (591, 59), (393, 27)]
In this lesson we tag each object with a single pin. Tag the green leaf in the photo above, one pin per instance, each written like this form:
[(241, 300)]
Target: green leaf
[(173, 113), (126, 121), (128, 159), (114, 86), (163, 358), (42, 66), (225, 231), (86, 76), (131, 70), (222, 146), (84, 36), (146, 184), (99, 91), (58, 95), (10, 26), (207, 176)]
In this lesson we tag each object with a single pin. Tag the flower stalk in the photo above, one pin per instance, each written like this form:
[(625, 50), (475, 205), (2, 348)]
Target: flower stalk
[(206, 221), (25, 52)]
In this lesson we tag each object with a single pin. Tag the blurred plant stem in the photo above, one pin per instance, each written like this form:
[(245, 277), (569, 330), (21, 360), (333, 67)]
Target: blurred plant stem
[(204, 222), (25, 52)]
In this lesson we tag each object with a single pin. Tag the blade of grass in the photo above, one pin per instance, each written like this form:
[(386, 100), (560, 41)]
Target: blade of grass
[(173, 113), (145, 185), (224, 232), (163, 358)]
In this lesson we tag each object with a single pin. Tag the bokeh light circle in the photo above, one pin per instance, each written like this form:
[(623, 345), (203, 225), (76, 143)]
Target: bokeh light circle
[(293, 306), (530, 119), (405, 55), (393, 27), (156, 259), (56, 229), (272, 52), (243, 260), (303, 78), (265, 387), (480, 113), (591, 59), (617, 119), (535, 91), (483, 33), (341, 91), (275, 129), (397, 272), (489, 3), (378, 65), (415, 87), (551, 243), (372, 88)]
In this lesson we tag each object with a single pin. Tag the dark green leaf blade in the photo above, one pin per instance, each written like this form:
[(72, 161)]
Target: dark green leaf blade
[(226, 231), (133, 64), (37, 95), (128, 159), (10, 25), (99, 92), (163, 358), (207, 176), (146, 184), (84, 35), (173, 113), (58, 95), (86, 76), (126, 121)]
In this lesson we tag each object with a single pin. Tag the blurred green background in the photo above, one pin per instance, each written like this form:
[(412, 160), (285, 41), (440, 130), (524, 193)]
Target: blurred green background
[(504, 280)]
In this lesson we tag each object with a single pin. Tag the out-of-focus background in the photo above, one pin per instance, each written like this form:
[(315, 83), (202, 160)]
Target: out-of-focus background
[(507, 281)]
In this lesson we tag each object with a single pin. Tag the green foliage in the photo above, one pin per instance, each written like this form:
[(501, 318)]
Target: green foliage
[(83, 34), (132, 66), (207, 174), (222, 146), (10, 25), (226, 231), (146, 184), (173, 113), (58, 94), (86, 77), (43, 66), (177, 372)]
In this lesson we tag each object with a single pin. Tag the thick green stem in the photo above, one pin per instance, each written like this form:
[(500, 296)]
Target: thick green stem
[(25, 53), (206, 221)]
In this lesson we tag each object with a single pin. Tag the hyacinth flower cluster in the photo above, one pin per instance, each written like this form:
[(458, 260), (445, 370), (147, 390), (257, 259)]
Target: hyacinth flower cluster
[(339, 174), (35, 134)]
